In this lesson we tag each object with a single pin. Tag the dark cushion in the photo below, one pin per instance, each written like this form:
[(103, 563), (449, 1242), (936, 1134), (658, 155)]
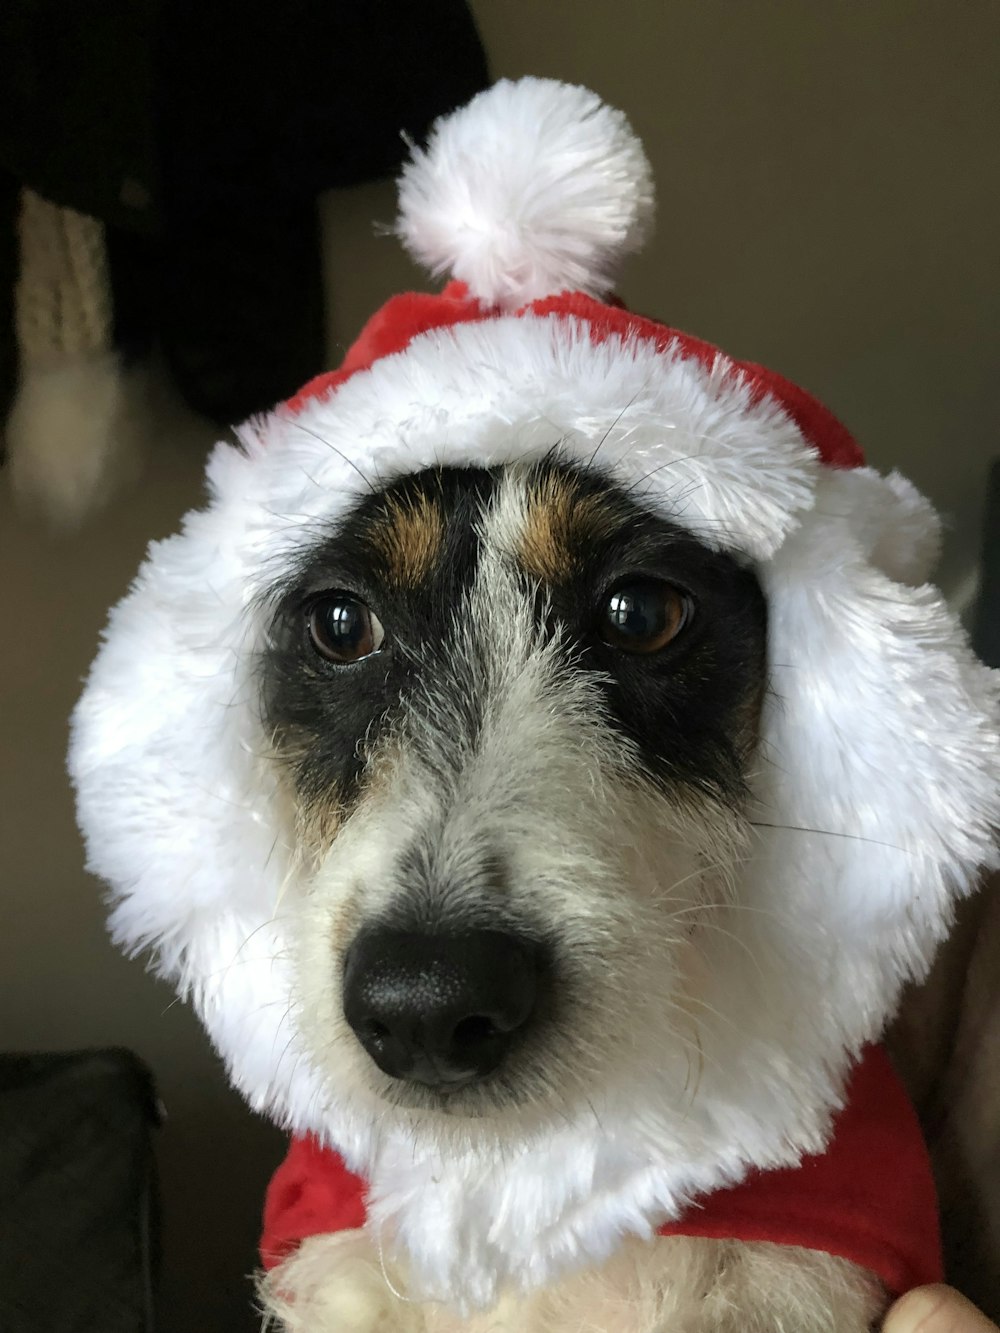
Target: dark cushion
[(78, 1216)]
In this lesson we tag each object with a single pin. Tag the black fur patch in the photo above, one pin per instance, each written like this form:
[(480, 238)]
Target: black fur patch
[(691, 709), (323, 715)]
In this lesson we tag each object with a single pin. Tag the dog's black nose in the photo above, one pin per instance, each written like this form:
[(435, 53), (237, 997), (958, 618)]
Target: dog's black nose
[(439, 1009)]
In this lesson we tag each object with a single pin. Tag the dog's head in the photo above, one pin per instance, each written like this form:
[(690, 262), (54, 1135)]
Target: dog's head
[(535, 743), (515, 713)]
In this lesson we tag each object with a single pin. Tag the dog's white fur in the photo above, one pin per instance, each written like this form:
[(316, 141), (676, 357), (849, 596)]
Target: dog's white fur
[(340, 1284), (875, 800)]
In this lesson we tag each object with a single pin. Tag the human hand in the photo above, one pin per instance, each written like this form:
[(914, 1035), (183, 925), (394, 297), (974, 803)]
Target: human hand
[(936, 1309)]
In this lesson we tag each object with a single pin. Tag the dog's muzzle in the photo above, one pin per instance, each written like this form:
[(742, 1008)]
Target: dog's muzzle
[(441, 1010)]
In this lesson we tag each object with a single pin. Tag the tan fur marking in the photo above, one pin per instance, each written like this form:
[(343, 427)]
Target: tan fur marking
[(408, 536), (318, 823), (560, 524), (315, 820)]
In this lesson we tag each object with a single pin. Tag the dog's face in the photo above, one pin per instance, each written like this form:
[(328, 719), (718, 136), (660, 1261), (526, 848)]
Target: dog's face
[(514, 713)]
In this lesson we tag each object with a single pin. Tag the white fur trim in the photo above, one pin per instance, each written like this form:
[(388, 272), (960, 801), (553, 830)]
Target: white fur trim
[(881, 731), (534, 188)]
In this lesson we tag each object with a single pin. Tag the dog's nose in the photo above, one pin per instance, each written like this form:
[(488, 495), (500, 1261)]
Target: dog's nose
[(439, 1009)]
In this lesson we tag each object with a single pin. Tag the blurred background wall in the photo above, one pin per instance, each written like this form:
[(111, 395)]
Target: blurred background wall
[(829, 205)]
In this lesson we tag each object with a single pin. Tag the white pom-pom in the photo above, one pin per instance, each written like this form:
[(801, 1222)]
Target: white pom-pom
[(534, 188)]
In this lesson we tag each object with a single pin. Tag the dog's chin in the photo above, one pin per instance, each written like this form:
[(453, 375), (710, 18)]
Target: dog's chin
[(473, 1100), (517, 1092)]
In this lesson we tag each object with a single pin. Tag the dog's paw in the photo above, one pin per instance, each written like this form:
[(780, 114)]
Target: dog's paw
[(335, 1284)]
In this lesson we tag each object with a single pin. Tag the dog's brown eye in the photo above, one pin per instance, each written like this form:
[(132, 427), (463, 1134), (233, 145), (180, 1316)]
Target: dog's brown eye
[(644, 615), (343, 629)]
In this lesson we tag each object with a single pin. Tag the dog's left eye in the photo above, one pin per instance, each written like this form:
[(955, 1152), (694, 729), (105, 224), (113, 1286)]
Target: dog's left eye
[(343, 629), (644, 615)]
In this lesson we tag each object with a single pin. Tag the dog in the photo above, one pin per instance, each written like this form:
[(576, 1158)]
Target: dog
[(551, 769), (542, 763)]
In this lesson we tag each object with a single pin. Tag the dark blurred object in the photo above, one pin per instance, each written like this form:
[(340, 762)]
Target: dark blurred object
[(986, 621), (9, 194), (78, 1214), (200, 135), (946, 1045), (263, 106)]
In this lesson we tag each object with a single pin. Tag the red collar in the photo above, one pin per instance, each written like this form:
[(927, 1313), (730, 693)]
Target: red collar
[(869, 1198)]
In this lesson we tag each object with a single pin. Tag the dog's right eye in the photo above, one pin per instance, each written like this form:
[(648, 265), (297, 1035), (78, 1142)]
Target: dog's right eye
[(343, 629), (644, 615)]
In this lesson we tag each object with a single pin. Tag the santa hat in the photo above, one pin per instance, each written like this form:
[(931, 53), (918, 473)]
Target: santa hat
[(880, 729), (529, 199)]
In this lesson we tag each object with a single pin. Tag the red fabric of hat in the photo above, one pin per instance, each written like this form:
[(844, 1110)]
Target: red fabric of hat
[(393, 327)]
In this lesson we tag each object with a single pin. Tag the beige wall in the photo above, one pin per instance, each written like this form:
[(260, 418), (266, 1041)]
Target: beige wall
[(828, 204)]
